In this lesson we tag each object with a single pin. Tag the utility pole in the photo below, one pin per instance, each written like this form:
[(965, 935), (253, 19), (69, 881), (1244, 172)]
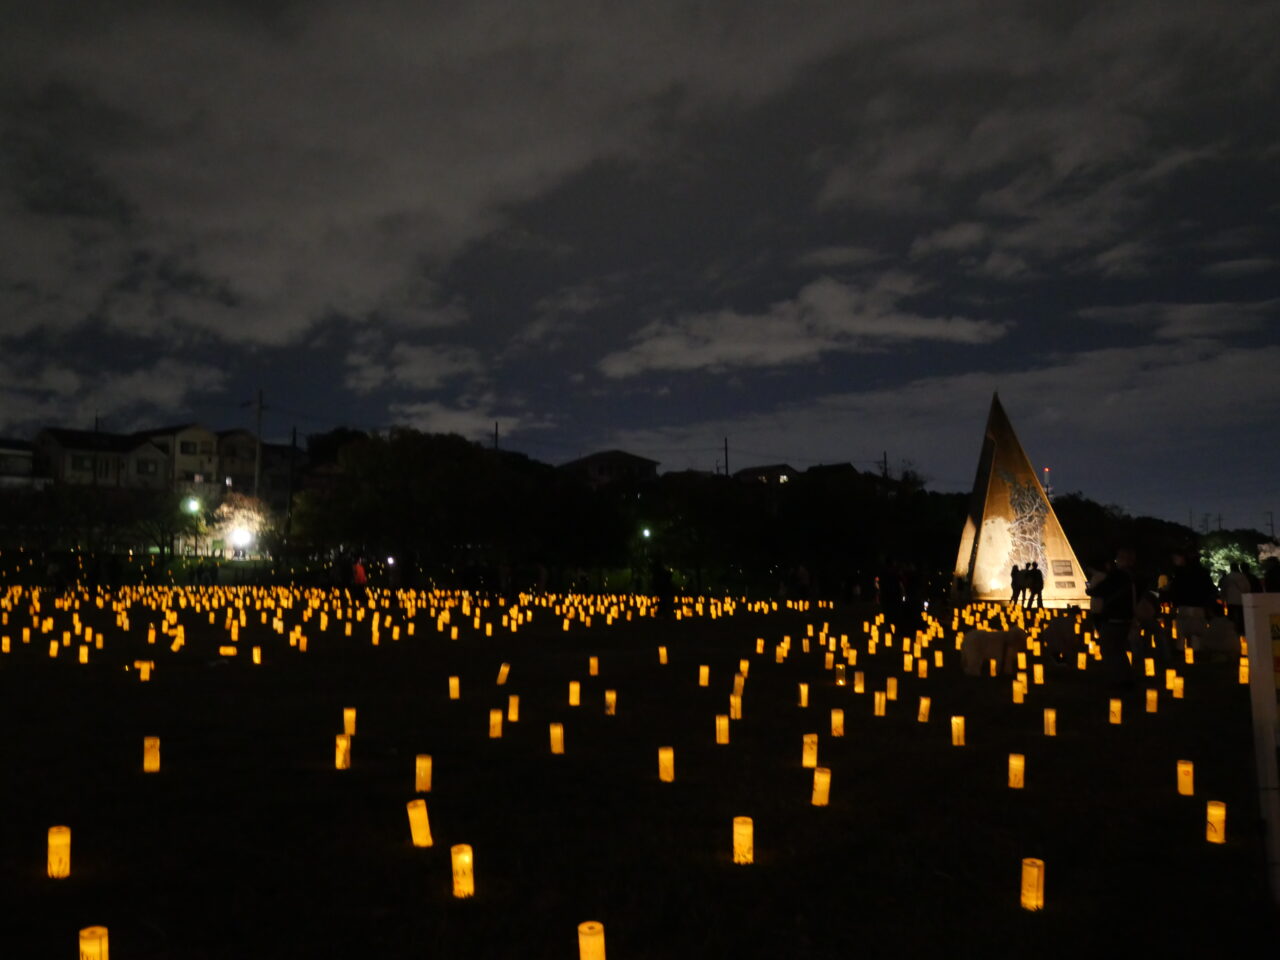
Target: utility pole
[(884, 465), (1271, 521), (288, 510), (1219, 523), (726, 456), (495, 435)]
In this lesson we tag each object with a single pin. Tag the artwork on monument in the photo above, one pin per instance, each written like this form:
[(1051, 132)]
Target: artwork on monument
[(1011, 523)]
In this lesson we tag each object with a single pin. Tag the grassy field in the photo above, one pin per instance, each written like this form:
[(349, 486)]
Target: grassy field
[(248, 843)]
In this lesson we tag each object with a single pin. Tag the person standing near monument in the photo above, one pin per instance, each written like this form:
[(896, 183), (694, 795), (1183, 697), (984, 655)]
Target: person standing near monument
[(1116, 591), (1034, 578), (1017, 585)]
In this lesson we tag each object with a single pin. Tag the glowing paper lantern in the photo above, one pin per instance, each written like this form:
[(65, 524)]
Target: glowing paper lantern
[(804, 694), (1050, 722), (93, 943), (1115, 713), (1215, 827), (349, 721), (662, 655), (1148, 667), (610, 702), (150, 754), (1037, 673), (744, 846), (591, 940), (821, 786), (1186, 778), (575, 693), (557, 738), (1152, 700), (704, 675), (1169, 675), (1032, 884), (503, 670), (859, 682), (455, 688), (422, 773), (666, 764), (744, 667), (809, 752), (464, 878), (495, 724), (513, 707), (1017, 770), (957, 731), (1178, 688), (59, 858), (722, 728), (922, 713), (593, 666), (342, 752), (419, 825), (735, 706), (1244, 671), (1082, 660), (1019, 691), (840, 680), (837, 722), (891, 688), (879, 703)]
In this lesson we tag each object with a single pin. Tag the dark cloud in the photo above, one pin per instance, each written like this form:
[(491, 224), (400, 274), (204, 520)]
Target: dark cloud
[(605, 223)]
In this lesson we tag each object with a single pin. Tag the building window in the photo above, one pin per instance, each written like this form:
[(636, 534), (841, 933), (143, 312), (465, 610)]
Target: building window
[(187, 447)]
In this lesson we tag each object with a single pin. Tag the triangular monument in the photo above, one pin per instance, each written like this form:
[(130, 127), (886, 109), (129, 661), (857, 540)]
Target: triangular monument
[(1011, 522)]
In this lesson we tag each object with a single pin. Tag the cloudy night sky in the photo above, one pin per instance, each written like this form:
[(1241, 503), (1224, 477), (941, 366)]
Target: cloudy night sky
[(826, 231)]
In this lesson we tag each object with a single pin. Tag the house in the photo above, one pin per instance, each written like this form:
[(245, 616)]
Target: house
[(192, 451), (612, 466), (17, 463), (772, 474), (237, 459), (92, 457)]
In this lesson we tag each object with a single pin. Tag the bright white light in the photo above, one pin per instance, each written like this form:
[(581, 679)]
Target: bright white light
[(645, 533), (391, 561), (240, 537), (192, 505)]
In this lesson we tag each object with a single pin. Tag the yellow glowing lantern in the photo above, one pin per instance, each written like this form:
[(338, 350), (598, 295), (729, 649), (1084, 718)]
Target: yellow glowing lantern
[(342, 752), (1169, 675), (1032, 884), (922, 668), (1215, 827), (879, 703), (1037, 673), (1017, 769), (859, 682), (1189, 655), (1050, 722), (59, 852), (1019, 691), (809, 752), (513, 707), (84, 654), (422, 773), (922, 712), (419, 825), (557, 738), (1148, 667), (1022, 660), (1178, 688), (1153, 701), (957, 731), (666, 764), (837, 722), (804, 694), (495, 724), (150, 754), (821, 786), (503, 670), (1082, 660), (575, 693), (937, 658), (1116, 710), (593, 666), (455, 688), (591, 940), (840, 681), (704, 675), (257, 656), (744, 844), (1244, 670), (610, 702), (722, 728), (349, 721), (993, 666), (464, 878), (1186, 778), (735, 706), (662, 655), (891, 688), (93, 943)]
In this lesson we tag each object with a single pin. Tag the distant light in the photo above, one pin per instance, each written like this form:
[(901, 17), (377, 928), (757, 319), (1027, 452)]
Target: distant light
[(240, 537), (391, 561), (191, 505), (784, 478), (645, 533)]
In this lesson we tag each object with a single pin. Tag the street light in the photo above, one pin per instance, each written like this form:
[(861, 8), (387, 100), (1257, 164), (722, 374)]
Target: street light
[(645, 533), (191, 505)]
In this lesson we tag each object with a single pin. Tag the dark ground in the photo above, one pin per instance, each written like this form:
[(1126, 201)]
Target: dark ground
[(249, 844)]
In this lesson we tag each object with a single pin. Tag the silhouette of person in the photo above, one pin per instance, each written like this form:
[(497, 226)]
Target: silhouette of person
[(1034, 578), (1017, 585)]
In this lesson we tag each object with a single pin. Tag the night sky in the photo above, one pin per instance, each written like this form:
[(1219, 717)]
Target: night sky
[(827, 231)]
